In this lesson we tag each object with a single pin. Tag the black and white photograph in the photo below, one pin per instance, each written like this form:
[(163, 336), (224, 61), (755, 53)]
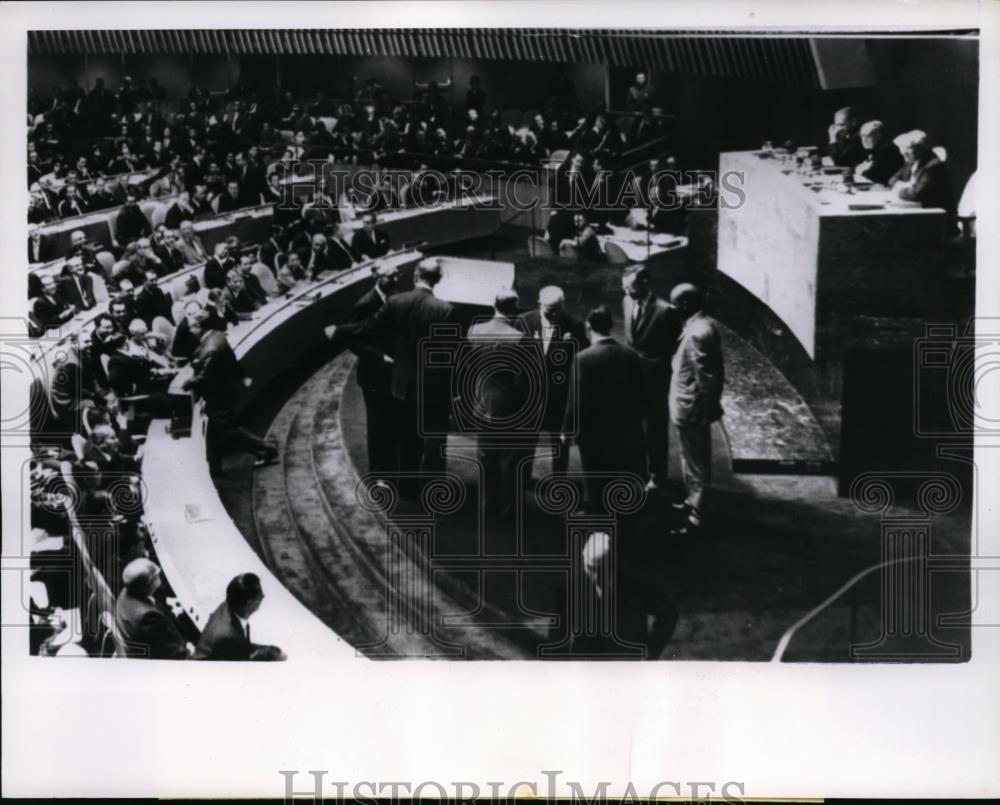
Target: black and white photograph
[(621, 352)]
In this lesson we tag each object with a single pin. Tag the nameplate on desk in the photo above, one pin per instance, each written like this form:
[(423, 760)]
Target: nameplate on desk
[(193, 514), (859, 207)]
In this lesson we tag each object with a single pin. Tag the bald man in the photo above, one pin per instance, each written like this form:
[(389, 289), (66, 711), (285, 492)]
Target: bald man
[(560, 337), (845, 142), (146, 629)]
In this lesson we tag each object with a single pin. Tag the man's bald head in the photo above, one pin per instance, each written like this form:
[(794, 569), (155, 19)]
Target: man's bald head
[(687, 298)]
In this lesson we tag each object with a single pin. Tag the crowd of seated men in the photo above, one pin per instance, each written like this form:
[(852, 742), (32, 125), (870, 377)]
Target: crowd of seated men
[(219, 150), (907, 163), (108, 385)]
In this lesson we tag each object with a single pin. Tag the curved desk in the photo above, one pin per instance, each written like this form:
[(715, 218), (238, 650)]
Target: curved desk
[(199, 547)]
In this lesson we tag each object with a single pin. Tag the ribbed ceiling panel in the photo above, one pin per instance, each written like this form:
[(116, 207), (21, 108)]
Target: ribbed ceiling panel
[(785, 60)]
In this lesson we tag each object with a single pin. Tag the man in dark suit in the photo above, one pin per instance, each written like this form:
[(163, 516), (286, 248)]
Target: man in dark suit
[(40, 248), (882, 157), (273, 249), (375, 376), (370, 241), (218, 266), (924, 177), (133, 372), (695, 397), (104, 340), (131, 222), (144, 626), (180, 210), (229, 200), (500, 350), (320, 257), (422, 408), (560, 337), (77, 289), (845, 146), (101, 198), (150, 301), (217, 380), (226, 635), (606, 401), (48, 308), (71, 204), (651, 329)]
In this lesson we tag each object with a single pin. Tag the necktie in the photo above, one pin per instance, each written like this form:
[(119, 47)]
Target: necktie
[(636, 316), (246, 629)]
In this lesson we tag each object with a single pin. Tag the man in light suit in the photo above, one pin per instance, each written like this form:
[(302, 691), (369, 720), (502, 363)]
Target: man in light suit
[(561, 338), (502, 392), (695, 397), (606, 395), (651, 329), (421, 395), (924, 177), (226, 635), (190, 245)]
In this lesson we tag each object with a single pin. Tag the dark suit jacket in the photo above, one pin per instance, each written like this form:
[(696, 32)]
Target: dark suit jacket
[(175, 214), (373, 371), (147, 630), (885, 162), (847, 151), (129, 375), (49, 311), (68, 209), (607, 394), (227, 203), (655, 337), (215, 273), (217, 374), (569, 339), (131, 224), (376, 245), (151, 302), (931, 185), (402, 322), (71, 293), (46, 251), (223, 637)]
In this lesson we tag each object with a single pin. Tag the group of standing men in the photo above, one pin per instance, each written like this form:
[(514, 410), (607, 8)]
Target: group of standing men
[(518, 378)]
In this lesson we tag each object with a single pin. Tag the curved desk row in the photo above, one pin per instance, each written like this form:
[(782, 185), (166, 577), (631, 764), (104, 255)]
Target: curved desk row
[(436, 225), (199, 547)]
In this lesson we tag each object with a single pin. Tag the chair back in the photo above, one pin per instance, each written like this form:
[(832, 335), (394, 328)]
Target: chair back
[(177, 311), (79, 445), (163, 328), (148, 208), (940, 152), (266, 279), (539, 247), (215, 205), (615, 253), (106, 260), (568, 250), (159, 215), (329, 123), (100, 288)]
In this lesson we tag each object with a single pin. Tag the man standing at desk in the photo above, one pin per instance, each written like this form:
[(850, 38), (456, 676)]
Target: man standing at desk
[(421, 399), (924, 177), (216, 380), (652, 328), (375, 376)]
